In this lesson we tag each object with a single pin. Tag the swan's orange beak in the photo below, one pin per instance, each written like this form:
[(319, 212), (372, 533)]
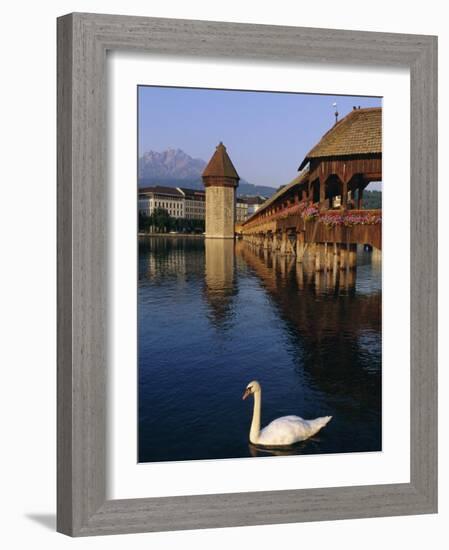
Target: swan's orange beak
[(247, 392)]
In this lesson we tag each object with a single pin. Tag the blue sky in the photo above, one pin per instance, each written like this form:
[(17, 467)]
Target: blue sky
[(267, 134)]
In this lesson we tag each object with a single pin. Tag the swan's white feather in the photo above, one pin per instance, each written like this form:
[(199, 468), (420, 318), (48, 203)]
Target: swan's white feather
[(288, 430)]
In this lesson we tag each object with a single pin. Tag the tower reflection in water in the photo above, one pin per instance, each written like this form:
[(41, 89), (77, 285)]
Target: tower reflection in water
[(220, 279)]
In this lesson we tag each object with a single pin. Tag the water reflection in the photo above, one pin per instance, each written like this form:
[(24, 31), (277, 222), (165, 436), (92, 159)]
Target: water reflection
[(213, 316), (327, 321), (292, 450), (220, 282)]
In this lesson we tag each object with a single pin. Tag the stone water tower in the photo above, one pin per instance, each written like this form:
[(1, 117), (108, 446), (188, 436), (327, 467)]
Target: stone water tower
[(220, 179)]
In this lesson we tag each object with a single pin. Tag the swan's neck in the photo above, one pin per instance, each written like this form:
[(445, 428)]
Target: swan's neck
[(255, 424)]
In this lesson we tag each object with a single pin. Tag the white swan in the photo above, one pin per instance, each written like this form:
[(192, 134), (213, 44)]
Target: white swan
[(286, 430)]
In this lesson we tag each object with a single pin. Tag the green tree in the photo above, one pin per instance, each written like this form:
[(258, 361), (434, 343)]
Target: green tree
[(145, 223), (372, 199), (162, 220)]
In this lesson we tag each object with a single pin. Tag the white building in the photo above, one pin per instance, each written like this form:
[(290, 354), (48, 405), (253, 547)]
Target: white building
[(194, 203), (241, 210), (246, 206), (181, 202), (168, 198)]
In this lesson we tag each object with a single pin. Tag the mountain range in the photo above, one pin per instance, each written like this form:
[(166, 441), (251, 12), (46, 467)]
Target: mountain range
[(175, 168)]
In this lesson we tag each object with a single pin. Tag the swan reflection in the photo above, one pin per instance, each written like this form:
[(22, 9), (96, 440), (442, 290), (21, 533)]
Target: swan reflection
[(296, 449)]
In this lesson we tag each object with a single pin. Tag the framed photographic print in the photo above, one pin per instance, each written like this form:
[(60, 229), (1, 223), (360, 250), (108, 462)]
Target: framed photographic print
[(244, 211)]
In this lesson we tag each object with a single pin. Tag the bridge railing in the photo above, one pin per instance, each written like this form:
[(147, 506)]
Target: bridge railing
[(296, 215)]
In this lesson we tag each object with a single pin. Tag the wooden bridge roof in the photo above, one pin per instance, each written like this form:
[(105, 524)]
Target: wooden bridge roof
[(300, 178), (358, 133)]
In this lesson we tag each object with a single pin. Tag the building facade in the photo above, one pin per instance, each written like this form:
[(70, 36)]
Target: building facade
[(179, 202), (194, 203), (246, 206), (241, 210), (168, 198), (190, 204)]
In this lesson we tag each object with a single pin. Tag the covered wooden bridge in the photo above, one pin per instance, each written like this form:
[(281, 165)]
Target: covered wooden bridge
[(319, 216)]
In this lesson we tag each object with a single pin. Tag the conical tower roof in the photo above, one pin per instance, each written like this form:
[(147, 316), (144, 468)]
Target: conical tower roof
[(220, 165)]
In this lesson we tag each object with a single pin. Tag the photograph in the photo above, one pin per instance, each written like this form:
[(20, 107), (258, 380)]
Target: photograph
[(226, 334), (259, 274)]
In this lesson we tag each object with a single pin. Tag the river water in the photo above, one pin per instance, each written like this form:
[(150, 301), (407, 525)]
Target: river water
[(214, 315)]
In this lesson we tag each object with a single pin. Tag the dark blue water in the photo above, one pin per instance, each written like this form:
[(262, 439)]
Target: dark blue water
[(213, 317)]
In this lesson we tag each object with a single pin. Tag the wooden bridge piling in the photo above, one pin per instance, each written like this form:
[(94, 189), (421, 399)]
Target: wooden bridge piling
[(275, 242), (376, 255), (284, 238), (343, 256), (321, 257), (352, 256), (299, 246)]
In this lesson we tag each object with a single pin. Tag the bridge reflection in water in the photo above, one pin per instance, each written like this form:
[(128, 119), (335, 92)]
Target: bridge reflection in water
[(215, 314)]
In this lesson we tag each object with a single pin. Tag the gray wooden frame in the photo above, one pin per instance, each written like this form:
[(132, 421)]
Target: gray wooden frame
[(83, 40)]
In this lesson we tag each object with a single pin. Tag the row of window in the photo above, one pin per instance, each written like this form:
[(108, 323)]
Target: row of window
[(198, 206), (174, 212), (191, 211), (165, 204)]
